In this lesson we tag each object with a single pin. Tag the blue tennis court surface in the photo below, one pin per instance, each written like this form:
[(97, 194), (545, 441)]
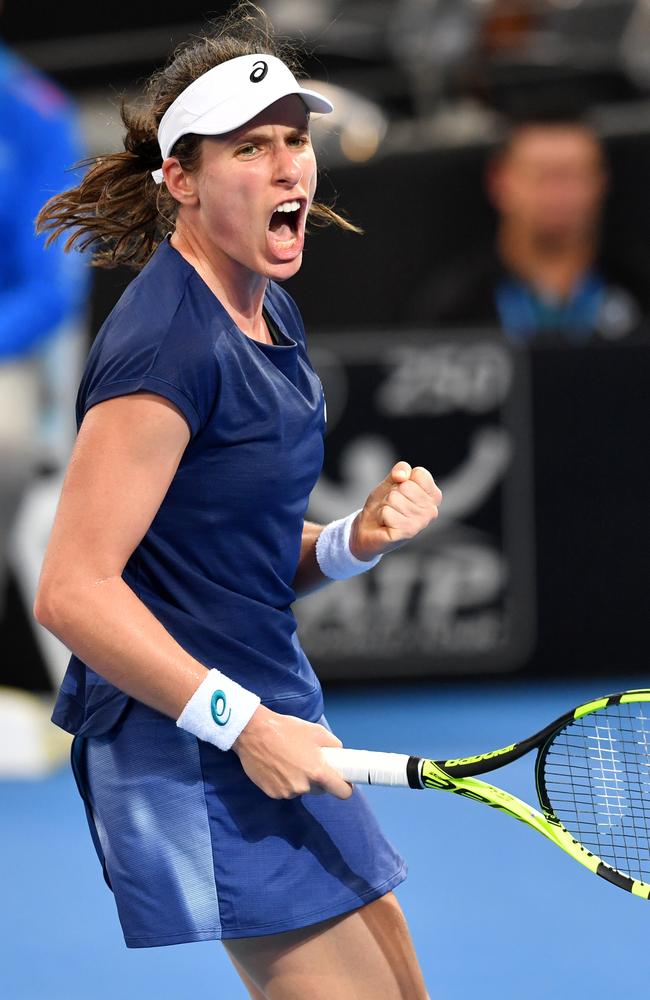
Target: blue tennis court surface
[(495, 910)]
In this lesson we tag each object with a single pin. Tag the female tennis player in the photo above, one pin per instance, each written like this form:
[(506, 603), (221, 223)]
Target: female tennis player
[(180, 545)]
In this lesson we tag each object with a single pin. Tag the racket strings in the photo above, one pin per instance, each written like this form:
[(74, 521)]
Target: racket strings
[(597, 777)]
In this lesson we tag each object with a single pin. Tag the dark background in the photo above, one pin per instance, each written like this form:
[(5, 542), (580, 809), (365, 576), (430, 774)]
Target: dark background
[(420, 207)]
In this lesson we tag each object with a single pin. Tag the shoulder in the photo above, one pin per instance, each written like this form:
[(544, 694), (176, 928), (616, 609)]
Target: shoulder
[(158, 337), (166, 301), (149, 304)]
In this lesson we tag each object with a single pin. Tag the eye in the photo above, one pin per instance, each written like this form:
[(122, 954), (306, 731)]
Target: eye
[(248, 150), (299, 140)]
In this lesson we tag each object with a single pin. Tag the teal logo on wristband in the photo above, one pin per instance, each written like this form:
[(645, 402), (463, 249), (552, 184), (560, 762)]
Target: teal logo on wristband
[(218, 705)]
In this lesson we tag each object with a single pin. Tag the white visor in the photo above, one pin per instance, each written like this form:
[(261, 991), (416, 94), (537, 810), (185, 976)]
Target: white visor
[(228, 96)]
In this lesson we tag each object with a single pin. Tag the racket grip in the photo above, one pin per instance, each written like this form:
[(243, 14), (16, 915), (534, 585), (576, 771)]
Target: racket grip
[(368, 767)]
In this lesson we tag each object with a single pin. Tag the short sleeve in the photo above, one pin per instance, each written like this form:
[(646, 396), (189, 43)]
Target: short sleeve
[(148, 383), (134, 352)]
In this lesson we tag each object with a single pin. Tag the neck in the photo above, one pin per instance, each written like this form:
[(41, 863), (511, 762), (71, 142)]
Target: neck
[(549, 265), (239, 290)]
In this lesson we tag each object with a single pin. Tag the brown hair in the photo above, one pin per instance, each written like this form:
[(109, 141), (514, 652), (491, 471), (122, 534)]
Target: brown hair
[(545, 116), (118, 211)]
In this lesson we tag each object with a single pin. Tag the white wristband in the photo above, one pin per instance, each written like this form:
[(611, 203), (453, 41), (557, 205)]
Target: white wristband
[(218, 710), (333, 550)]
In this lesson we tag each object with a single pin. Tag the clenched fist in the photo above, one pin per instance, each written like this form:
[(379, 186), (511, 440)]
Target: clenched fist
[(399, 508)]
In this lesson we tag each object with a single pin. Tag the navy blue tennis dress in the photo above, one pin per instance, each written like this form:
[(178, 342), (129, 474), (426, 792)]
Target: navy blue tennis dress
[(190, 847)]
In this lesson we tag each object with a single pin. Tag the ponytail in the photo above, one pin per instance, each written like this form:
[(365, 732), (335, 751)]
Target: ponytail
[(117, 210)]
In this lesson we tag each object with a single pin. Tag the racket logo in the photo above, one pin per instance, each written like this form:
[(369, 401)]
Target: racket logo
[(260, 69), (460, 761), (218, 705)]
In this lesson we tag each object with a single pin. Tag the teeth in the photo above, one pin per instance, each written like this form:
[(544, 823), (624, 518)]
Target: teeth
[(288, 206)]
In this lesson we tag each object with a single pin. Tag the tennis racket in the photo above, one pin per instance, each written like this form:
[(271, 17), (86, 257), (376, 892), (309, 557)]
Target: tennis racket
[(593, 782)]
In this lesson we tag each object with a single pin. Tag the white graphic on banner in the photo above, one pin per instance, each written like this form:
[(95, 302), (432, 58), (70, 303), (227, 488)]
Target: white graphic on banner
[(448, 593)]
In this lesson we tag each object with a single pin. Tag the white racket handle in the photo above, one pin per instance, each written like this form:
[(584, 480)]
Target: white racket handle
[(368, 767)]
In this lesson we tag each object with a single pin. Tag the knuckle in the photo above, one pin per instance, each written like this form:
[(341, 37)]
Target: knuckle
[(410, 489), (325, 775), (297, 788)]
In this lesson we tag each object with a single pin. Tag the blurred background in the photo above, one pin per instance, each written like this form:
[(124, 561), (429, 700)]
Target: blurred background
[(492, 324)]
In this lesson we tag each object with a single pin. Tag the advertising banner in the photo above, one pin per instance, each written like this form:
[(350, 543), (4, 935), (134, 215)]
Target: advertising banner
[(460, 597)]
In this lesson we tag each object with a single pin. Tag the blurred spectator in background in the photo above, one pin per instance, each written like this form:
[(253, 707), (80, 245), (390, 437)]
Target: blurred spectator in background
[(42, 292), (545, 278)]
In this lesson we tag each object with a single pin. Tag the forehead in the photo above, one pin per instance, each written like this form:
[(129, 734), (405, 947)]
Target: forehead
[(552, 143)]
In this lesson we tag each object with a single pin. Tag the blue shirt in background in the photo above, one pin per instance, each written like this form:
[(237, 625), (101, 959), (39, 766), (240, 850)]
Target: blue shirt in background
[(39, 143)]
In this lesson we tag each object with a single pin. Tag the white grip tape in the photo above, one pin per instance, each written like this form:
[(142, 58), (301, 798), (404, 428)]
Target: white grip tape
[(368, 767)]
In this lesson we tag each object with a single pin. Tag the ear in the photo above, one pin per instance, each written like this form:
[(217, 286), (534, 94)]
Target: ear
[(180, 184)]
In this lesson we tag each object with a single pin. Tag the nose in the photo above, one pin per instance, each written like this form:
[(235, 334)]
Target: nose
[(288, 169)]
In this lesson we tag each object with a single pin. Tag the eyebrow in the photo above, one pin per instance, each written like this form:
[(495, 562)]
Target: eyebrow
[(260, 137)]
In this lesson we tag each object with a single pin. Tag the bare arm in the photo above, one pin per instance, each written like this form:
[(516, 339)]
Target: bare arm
[(309, 576), (127, 453)]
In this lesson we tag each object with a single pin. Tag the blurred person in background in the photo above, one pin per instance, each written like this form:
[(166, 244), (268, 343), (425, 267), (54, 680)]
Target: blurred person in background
[(546, 278), (42, 292)]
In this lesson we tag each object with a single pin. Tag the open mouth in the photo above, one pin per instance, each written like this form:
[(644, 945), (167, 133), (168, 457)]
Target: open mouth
[(285, 222)]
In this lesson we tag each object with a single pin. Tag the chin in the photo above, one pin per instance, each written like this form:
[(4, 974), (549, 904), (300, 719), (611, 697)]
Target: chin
[(285, 270)]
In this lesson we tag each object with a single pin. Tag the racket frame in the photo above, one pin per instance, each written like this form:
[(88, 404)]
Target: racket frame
[(459, 776)]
